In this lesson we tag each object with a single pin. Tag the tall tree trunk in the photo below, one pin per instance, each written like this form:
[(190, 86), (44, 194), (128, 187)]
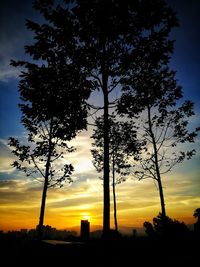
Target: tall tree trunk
[(42, 209), (158, 176), (106, 212), (106, 218), (114, 195), (45, 188), (162, 201)]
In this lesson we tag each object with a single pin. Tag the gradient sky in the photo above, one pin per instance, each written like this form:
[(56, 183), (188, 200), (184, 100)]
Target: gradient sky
[(137, 201)]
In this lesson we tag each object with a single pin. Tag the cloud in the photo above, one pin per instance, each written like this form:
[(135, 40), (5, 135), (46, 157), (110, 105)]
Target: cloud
[(81, 159), (137, 201), (19, 191), (13, 34), (6, 72), (6, 158)]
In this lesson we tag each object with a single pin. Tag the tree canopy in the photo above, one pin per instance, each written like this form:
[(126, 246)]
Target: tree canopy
[(92, 45), (151, 99)]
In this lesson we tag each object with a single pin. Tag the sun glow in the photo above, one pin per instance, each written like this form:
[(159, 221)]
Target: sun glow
[(86, 217)]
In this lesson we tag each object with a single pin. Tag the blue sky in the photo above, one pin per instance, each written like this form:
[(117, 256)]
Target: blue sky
[(185, 60), (14, 35)]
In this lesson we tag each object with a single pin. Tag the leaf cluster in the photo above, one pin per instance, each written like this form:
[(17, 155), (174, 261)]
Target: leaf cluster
[(121, 136)]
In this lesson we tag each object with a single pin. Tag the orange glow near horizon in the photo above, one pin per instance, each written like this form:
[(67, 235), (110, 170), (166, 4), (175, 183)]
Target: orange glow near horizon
[(74, 225), (69, 219), (137, 201)]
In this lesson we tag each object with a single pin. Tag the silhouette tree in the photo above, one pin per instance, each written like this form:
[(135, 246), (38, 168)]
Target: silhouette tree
[(149, 230), (100, 38), (197, 214), (197, 224), (120, 134), (167, 228), (161, 128), (53, 94), (150, 97), (41, 157)]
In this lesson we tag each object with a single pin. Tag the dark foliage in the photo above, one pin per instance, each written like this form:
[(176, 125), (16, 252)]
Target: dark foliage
[(150, 99), (165, 227), (197, 223), (53, 95), (121, 136), (103, 38)]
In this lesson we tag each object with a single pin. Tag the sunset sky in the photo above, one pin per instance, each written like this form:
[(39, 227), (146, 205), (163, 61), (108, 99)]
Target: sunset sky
[(137, 201)]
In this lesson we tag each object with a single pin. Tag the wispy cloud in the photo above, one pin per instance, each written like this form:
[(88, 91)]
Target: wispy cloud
[(137, 201), (6, 158), (13, 34)]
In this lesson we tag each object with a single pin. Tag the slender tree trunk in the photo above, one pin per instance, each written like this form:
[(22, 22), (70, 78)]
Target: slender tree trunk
[(106, 219), (106, 211), (114, 195), (158, 176), (42, 209), (45, 188), (162, 201)]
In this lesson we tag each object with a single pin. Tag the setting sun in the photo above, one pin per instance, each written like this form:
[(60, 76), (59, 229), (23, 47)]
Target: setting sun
[(86, 217), (99, 133)]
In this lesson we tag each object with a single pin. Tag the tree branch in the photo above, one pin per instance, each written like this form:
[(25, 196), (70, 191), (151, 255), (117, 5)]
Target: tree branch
[(32, 157)]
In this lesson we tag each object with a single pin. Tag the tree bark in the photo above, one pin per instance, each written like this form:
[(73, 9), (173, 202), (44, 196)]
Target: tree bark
[(162, 201), (114, 195), (106, 184), (42, 210), (158, 176), (106, 219), (45, 188)]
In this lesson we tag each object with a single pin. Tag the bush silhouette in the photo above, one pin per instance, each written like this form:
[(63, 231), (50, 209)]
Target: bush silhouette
[(197, 224), (165, 227)]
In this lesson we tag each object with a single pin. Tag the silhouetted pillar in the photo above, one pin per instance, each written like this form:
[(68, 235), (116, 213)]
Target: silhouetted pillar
[(85, 230)]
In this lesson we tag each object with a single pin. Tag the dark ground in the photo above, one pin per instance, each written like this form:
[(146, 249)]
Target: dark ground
[(140, 251)]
